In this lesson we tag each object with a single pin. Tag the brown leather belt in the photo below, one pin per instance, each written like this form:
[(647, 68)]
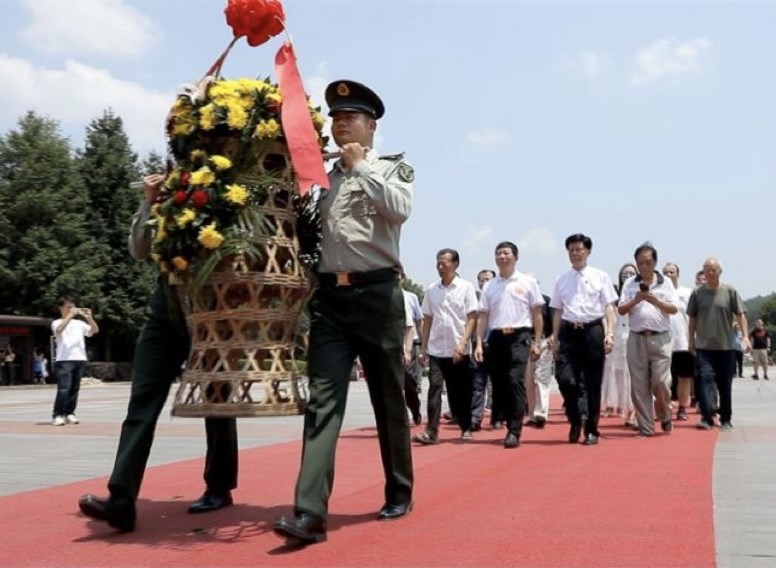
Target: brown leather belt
[(649, 332), (338, 279)]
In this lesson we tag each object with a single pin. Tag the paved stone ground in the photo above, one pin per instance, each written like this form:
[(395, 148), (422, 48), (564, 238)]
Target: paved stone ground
[(36, 454)]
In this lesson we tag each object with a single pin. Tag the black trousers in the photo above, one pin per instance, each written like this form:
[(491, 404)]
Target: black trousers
[(457, 377), (579, 371), (412, 376), (714, 374), (479, 388), (348, 322), (162, 348), (507, 361)]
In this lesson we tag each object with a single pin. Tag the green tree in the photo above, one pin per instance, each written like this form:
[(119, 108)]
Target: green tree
[(108, 166), (767, 313), (45, 247), (152, 163), (411, 286)]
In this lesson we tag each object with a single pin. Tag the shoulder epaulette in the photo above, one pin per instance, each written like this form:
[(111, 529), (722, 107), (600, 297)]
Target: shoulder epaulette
[(392, 157)]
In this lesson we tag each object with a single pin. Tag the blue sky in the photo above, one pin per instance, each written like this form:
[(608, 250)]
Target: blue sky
[(524, 121)]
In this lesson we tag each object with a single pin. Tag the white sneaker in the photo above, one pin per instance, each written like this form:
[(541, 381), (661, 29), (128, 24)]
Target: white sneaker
[(58, 421), (71, 419)]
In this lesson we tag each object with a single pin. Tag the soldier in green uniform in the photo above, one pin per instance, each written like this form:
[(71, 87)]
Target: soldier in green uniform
[(161, 350), (356, 311)]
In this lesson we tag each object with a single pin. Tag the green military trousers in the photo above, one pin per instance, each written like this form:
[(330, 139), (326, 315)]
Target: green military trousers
[(161, 350), (345, 323)]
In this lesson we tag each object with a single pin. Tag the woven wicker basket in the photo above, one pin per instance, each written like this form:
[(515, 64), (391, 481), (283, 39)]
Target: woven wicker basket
[(243, 322)]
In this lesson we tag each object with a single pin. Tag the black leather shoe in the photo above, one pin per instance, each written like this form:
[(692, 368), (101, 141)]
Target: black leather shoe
[(574, 433), (390, 512), (210, 501), (117, 512), (304, 527), (511, 441), (417, 418), (591, 440)]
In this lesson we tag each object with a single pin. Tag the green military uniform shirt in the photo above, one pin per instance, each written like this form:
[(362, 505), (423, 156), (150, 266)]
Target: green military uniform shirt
[(363, 212)]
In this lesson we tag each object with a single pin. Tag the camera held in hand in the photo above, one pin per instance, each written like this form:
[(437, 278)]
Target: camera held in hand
[(643, 286)]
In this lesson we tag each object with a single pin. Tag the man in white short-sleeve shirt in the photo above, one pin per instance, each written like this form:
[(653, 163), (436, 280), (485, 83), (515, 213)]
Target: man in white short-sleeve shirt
[(511, 308), (449, 317), (582, 325), (649, 299), (69, 333)]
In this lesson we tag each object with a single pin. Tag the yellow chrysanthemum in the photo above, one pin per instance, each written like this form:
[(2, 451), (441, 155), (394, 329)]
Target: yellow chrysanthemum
[(198, 155), (180, 263), (208, 117), (203, 176), (318, 120), (161, 231), (183, 128), (155, 209), (237, 118), (274, 97), (236, 194), (186, 217), (209, 237), (267, 129), (221, 162)]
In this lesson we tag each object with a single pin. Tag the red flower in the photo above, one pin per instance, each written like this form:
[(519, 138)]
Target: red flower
[(184, 179), (199, 198), (259, 20), (180, 197)]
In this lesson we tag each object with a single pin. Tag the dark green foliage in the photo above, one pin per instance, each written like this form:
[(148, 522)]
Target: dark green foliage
[(46, 249), (411, 286), (108, 165)]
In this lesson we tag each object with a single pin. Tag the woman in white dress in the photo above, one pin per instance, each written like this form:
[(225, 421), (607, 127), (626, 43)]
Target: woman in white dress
[(615, 390)]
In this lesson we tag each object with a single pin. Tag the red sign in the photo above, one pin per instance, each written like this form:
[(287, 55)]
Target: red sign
[(14, 330)]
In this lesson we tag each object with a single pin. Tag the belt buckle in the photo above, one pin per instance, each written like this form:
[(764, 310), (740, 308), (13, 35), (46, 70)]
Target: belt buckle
[(507, 330), (648, 332), (343, 279), (578, 325)]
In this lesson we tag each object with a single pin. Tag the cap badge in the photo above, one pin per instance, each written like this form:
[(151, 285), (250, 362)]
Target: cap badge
[(343, 90)]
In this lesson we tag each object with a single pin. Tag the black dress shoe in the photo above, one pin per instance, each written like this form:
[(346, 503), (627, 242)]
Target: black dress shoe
[(511, 441), (117, 512), (417, 418), (304, 527), (396, 511), (574, 433), (591, 440), (210, 501)]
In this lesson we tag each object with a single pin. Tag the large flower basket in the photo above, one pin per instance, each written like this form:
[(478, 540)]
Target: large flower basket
[(237, 227), (243, 319)]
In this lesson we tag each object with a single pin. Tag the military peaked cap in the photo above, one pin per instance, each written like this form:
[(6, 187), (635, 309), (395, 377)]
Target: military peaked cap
[(349, 95)]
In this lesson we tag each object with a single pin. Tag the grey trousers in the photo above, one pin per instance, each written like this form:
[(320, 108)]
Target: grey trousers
[(649, 363)]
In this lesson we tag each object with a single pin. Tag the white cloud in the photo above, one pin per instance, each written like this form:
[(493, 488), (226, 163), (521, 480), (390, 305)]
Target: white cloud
[(538, 241), (78, 93), (476, 237), (486, 136), (590, 64), (666, 57), (108, 28)]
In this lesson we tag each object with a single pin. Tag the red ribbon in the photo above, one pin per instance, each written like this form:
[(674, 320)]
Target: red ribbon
[(298, 126)]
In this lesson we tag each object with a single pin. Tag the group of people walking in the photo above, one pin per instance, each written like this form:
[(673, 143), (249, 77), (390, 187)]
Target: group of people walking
[(621, 347)]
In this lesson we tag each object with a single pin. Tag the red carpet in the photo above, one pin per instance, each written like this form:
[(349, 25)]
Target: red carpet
[(626, 502)]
